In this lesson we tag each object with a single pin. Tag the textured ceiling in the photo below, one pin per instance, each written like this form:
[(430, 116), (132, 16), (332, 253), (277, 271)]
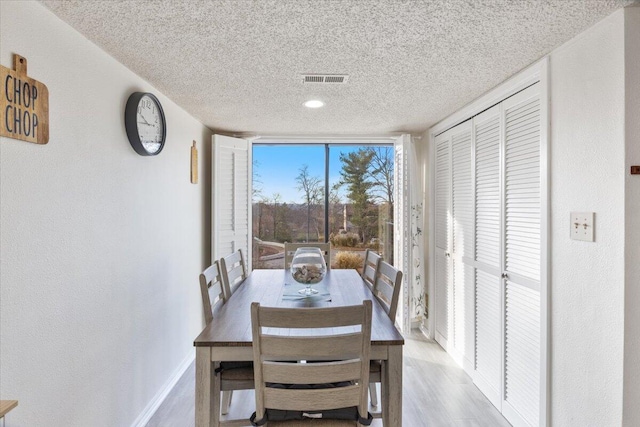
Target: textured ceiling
[(236, 65)]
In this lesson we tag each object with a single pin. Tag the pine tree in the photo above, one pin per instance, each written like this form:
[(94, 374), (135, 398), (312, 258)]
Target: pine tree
[(355, 175)]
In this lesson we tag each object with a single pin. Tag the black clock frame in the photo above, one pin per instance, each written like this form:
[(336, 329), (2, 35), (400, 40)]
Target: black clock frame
[(131, 123)]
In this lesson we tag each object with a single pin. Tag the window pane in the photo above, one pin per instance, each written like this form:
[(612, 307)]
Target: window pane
[(288, 199), (360, 203)]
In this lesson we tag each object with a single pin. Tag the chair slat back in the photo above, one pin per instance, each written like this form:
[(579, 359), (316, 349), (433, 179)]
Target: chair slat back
[(325, 317), (370, 267), (233, 271), (339, 335), (311, 400), (324, 348), (290, 251), (387, 288), (212, 290), (284, 373)]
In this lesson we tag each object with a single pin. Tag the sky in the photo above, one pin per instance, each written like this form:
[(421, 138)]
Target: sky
[(276, 167)]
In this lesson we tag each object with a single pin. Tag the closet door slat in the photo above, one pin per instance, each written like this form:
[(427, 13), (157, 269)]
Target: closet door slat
[(522, 214), (463, 241), (443, 233), (487, 191)]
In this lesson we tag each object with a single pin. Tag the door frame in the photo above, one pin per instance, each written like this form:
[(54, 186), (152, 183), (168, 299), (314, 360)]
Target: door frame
[(393, 139)]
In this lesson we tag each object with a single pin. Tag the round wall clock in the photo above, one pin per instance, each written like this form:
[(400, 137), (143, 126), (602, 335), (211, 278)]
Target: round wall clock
[(145, 123)]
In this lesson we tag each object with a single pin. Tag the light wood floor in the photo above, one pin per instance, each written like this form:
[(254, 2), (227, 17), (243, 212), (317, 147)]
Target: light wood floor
[(436, 393)]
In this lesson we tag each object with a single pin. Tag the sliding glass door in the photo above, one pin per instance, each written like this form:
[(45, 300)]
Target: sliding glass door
[(288, 199), (322, 192)]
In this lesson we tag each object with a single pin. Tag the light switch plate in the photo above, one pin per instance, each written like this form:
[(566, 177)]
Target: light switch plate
[(583, 226)]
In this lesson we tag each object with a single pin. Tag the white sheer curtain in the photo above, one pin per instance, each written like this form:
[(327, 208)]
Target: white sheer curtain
[(417, 302), (409, 242)]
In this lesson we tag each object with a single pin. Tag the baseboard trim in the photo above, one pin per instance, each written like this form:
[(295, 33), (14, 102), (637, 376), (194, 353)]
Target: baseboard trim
[(425, 331), (157, 400)]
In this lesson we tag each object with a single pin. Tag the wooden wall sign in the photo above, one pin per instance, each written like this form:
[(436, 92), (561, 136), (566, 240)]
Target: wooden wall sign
[(194, 164), (24, 104)]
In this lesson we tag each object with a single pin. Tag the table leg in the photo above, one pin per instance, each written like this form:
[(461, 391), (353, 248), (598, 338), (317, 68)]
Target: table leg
[(205, 390), (215, 397), (392, 384)]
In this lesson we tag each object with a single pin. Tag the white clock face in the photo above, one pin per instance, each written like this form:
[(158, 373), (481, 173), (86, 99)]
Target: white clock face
[(150, 124)]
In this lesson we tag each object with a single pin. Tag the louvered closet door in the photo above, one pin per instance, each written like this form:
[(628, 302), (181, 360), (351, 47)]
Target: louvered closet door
[(522, 217), (488, 218), (487, 129), (443, 301), (230, 197), (462, 240)]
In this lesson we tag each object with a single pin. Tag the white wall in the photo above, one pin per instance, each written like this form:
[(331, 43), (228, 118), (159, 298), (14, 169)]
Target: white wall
[(101, 248), (632, 220), (587, 174)]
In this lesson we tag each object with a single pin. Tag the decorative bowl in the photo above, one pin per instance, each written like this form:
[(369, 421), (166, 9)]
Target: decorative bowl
[(308, 267)]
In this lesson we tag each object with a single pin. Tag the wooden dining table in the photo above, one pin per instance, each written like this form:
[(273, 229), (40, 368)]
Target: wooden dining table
[(228, 336)]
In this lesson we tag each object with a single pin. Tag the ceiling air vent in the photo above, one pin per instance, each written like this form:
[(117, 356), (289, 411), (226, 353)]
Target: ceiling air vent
[(325, 78)]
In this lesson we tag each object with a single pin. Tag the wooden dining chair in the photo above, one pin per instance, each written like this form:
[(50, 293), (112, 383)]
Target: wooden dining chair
[(386, 289), (234, 271), (337, 339), (233, 375), (370, 267), (290, 251)]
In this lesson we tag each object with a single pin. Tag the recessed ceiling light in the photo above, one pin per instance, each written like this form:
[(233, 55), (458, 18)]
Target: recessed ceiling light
[(314, 103)]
